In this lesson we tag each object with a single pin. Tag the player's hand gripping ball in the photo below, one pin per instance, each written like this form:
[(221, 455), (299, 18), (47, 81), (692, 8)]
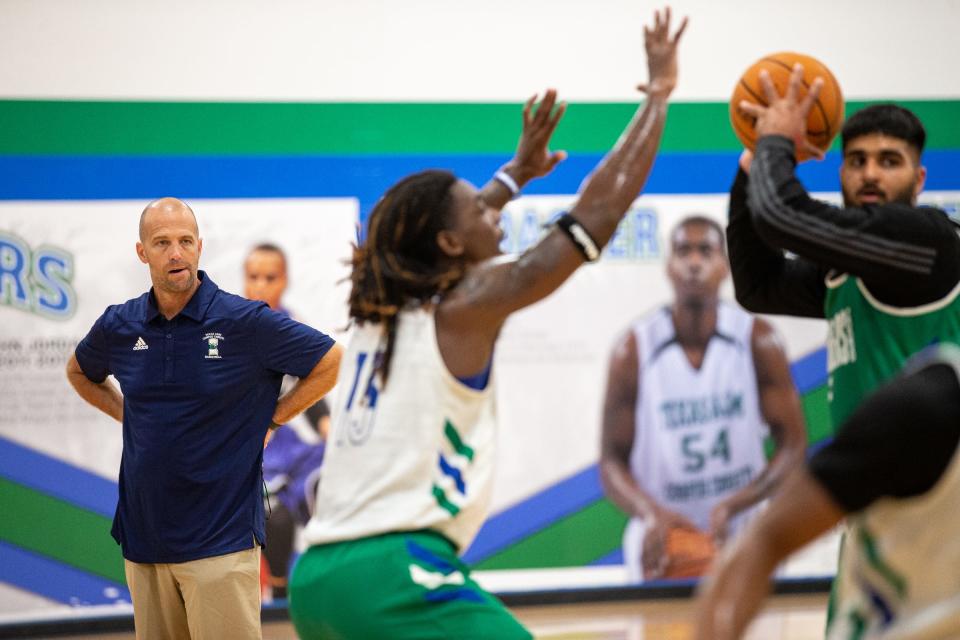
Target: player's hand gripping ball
[(690, 553), (826, 116)]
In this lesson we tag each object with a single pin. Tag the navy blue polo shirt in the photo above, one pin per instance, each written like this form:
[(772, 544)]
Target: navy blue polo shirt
[(199, 392)]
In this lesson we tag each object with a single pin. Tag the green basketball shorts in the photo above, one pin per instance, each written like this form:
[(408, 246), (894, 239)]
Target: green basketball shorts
[(397, 586)]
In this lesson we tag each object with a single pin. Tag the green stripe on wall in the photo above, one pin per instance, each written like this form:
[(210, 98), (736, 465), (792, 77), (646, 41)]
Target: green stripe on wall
[(574, 541), (58, 530), (198, 128)]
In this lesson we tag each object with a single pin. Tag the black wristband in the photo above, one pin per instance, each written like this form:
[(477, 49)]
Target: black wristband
[(580, 237), (274, 425)]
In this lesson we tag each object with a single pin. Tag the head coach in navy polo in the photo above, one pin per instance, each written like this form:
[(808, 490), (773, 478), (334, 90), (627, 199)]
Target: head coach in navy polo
[(200, 372)]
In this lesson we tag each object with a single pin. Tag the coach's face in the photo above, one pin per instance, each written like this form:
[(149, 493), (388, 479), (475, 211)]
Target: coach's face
[(170, 245)]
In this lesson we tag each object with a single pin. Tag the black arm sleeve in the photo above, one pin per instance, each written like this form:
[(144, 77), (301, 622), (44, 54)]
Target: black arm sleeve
[(897, 443), (906, 255), (764, 279)]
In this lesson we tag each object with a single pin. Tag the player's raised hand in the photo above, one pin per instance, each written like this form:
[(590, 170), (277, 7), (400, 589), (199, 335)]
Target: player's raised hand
[(661, 54), (533, 158)]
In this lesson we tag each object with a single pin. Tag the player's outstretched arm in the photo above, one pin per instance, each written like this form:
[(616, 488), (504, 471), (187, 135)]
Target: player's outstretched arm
[(490, 292), (730, 596), (618, 179)]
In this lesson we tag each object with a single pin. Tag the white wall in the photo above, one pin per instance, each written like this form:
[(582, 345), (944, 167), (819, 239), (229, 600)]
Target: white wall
[(448, 50)]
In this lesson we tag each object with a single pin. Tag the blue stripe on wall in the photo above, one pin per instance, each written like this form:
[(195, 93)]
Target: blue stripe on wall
[(55, 581), (535, 513), (57, 478), (615, 557), (138, 177), (810, 371)]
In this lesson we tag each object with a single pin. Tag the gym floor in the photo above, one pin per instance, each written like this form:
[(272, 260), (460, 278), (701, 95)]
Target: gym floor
[(785, 617)]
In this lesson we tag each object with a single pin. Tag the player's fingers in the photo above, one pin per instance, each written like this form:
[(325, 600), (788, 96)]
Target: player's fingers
[(527, 107), (556, 158), (807, 103), (680, 30), (555, 118), (718, 525), (796, 81), (813, 150), (545, 107), (751, 109), (769, 90), (663, 565)]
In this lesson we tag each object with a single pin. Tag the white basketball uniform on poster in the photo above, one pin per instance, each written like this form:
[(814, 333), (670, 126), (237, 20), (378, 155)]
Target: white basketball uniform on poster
[(699, 433)]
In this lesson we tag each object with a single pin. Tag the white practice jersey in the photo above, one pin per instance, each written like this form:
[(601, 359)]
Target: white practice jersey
[(416, 454), (699, 432), (899, 575)]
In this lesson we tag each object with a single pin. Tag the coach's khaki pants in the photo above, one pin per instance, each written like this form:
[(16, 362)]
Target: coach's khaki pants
[(214, 598)]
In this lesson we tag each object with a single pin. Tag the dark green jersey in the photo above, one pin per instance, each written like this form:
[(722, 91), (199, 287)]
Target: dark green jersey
[(869, 341)]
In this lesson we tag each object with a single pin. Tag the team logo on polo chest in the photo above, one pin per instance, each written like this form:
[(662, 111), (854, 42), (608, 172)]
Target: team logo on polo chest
[(213, 341)]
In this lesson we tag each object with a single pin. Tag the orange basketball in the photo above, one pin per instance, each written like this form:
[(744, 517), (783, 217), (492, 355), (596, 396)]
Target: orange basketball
[(689, 552), (825, 117)]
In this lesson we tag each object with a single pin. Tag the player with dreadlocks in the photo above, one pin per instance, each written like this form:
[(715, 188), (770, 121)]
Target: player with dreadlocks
[(408, 470)]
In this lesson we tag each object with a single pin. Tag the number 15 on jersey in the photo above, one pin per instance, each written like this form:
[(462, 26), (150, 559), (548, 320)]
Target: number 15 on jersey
[(357, 418)]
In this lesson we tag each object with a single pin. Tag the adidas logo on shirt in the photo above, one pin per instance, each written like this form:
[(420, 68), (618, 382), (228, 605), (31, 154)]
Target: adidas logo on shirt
[(141, 345)]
